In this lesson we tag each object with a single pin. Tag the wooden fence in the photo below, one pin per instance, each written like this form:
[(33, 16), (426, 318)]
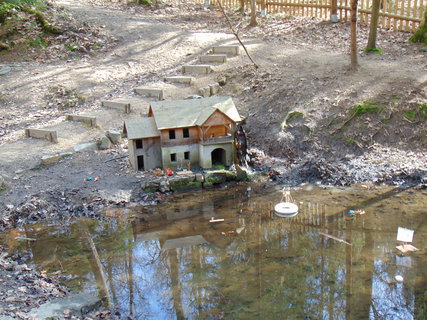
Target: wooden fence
[(404, 15)]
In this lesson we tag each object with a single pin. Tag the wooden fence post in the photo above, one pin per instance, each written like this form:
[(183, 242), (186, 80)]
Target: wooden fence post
[(334, 11)]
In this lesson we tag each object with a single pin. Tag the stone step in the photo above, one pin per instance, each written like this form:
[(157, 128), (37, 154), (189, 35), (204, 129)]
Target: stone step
[(228, 50), (50, 135), (197, 69), (85, 119), (150, 92), (216, 58), (122, 106), (180, 79)]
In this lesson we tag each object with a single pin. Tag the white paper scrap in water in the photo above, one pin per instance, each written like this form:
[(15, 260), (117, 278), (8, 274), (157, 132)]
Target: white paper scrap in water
[(405, 235)]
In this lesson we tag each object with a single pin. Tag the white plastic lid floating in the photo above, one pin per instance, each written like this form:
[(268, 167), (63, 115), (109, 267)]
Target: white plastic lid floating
[(286, 207)]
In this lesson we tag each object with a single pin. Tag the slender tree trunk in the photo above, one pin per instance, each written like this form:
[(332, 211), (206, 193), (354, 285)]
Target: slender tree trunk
[(353, 46), (242, 6), (253, 22), (374, 25)]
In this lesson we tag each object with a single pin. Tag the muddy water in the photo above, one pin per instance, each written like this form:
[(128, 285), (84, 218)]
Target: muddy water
[(169, 262)]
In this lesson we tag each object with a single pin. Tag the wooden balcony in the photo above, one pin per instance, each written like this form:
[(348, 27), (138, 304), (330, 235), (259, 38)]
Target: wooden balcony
[(215, 140)]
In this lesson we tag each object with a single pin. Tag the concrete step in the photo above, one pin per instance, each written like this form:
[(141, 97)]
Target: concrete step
[(150, 92), (119, 105), (197, 69), (85, 119), (180, 79), (228, 50), (50, 135), (215, 58)]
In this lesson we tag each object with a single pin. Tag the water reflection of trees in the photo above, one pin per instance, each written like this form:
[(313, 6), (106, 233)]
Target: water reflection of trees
[(275, 268)]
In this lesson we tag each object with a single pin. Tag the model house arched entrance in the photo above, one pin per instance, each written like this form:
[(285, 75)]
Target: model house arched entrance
[(219, 156)]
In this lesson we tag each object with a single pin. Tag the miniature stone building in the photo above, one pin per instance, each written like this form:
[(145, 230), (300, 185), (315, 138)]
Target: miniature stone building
[(199, 132)]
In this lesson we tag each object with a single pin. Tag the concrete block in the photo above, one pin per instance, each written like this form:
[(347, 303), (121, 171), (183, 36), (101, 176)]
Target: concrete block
[(114, 135), (149, 92), (85, 119), (197, 69), (122, 106), (213, 58), (180, 79), (87, 146), (214, 88), (50, 135), (205, 92), (228, 50)]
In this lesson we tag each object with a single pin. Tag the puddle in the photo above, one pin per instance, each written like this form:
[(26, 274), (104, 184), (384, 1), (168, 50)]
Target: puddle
[(169, 262)]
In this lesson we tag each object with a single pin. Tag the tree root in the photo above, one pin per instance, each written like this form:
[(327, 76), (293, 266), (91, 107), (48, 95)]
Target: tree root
[(43, 22)]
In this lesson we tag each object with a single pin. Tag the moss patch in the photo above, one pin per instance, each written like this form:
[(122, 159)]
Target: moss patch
[(185, 185), (366, 107), (291, 117)]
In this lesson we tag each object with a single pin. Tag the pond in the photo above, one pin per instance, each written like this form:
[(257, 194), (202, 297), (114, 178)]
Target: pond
[(170, 262)]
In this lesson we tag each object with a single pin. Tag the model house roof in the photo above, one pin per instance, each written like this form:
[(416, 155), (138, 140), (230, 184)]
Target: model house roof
[(192, 112), (139, 128)]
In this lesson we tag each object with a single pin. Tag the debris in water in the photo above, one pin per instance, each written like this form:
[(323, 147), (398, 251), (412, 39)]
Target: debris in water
[(213, 220), (398, 278), (404, 248), (228, 233), (334, 238), (286, 207)]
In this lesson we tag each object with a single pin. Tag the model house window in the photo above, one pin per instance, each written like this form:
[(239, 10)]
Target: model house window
[(138, 144), (171, 134), (173, 157), (186, 133), (187, 155)]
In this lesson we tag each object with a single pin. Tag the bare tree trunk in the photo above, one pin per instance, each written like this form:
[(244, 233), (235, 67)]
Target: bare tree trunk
[(353, 45), (242, 6), (253, 22), (374, 25)]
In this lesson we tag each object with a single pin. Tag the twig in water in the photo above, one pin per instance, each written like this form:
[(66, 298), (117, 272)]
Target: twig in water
[(335, 238)]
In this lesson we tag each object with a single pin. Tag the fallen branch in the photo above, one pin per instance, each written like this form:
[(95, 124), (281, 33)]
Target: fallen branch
[(235, 33), (334, 238), (42, 21)]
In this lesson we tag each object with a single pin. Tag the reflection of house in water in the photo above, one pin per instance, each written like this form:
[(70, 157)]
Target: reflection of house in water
[(184, 226)]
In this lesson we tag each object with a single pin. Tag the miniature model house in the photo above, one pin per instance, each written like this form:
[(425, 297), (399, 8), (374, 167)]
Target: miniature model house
[(199, 132)]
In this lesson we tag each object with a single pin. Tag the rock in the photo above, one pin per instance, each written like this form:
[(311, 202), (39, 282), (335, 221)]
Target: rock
[(5, 70), (205, 92), (78, 305), (3, 183), (150, 186), (242, 173), (104, 142), (114, 135), (87, 146), (49, 159), (200, 177), (214, 88), (164, 186)]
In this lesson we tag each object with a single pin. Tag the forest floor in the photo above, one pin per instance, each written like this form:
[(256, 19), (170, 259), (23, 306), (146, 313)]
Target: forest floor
[(307, 116)]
